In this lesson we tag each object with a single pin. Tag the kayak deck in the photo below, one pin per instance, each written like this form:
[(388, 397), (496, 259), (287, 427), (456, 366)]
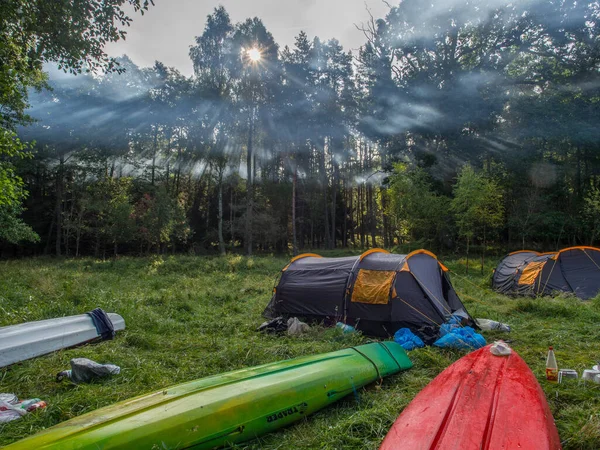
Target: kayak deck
[(481, 401), (227, 408), (31, 339)]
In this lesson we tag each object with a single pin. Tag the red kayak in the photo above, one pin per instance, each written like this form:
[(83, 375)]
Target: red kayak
[(481, 401)]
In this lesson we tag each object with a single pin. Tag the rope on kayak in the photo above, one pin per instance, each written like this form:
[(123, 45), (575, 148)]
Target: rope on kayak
[(354, 391), (391, 355), (371, 361)]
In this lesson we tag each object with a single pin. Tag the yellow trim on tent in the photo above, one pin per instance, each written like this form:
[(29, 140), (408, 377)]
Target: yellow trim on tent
[(531, 272), (558, 252), (581, 247), (371, 251), (303, 255), (373, 286), (426, 252), (525, 251)]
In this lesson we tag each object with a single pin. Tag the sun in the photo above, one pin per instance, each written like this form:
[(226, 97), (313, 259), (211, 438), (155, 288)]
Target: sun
[(254, 54)]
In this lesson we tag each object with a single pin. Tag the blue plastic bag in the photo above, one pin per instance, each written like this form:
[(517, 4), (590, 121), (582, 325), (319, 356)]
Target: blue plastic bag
[(461, 338), (407, 339), (447, 328), (454, 320)]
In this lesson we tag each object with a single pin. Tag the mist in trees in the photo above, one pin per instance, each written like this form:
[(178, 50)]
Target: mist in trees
[(458, 125)]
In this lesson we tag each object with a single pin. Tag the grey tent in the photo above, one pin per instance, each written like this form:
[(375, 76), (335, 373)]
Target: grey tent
[(574, 270), (378, 292)]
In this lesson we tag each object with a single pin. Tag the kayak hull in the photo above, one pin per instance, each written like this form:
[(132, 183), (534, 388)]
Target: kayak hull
[(481, 401), (29, 340), (228, 408)]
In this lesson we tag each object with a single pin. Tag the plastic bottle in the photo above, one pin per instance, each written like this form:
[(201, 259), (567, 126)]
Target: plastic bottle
[(345, 327), (25, 404), (37, 405), (551, 367)]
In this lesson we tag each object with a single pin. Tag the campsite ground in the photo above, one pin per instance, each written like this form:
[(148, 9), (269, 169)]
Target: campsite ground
[(189, 317)]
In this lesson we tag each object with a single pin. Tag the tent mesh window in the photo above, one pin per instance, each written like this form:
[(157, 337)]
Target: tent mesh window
[(373, 286)]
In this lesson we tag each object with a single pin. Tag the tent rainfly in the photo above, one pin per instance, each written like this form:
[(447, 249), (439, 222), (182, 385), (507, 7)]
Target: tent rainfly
[(377, 292), (575, 270)]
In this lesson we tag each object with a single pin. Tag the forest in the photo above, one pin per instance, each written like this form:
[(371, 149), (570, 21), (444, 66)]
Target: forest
[(457, 125)]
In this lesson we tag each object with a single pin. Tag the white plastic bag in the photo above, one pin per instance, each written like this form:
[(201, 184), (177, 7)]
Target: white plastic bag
[(500, 348), (489, 325), (9, 412), (295, 327)]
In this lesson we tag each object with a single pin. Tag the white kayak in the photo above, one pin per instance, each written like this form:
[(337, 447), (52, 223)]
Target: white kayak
[(31, 339)]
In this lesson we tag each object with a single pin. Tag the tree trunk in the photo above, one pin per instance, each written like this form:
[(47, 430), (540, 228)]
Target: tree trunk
[(467, 256), (154, 150), (58, 206), (220, 226), (78, 236), (372, 219), (294, 237), (231, 217), (333, 204), (249, 187), (351, 213), (345, 223), (483, 251), (385, 219), (324, 190), (208, 196), (361, 215), (168, 176), (49, 239)]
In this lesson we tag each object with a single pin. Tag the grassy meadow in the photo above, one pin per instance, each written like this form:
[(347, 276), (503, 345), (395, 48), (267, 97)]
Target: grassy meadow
[(190, 317)]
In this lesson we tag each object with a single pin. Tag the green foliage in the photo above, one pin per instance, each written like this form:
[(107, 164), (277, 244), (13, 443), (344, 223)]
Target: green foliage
[(72, 34), (510, 87), (591, 212), (422, 212), (12, 229), (160, 220), (111, 205), (206, 326), (477, 204), (12, 192)]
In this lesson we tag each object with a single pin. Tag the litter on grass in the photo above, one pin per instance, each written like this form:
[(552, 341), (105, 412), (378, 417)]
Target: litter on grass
[(295, 327), (492, 325), (345, 327), (277, 325), (461, 338), (407, 339), (500, 348), (13, 409), (84, 370)]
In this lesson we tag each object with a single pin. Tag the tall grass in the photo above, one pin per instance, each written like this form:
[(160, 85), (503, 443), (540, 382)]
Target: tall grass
[(190, 317)]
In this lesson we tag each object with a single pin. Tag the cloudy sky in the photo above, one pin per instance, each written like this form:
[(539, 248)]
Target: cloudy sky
[(166, 32)]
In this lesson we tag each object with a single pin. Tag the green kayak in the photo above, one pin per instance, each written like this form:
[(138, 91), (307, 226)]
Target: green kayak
[(228, 408)]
